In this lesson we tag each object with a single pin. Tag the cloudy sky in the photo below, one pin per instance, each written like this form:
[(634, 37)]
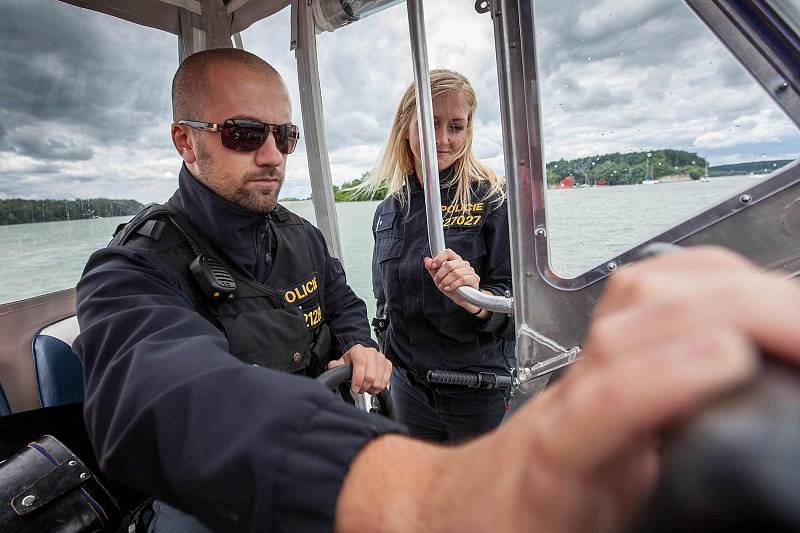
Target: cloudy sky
[(85, 111)]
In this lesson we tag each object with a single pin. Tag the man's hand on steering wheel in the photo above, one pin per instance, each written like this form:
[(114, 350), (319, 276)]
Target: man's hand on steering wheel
[(371, 370)]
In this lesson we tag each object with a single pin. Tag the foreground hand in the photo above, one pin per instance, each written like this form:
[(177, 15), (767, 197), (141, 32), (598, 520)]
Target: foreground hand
[(449, 272), (669, 335), (371, 370)]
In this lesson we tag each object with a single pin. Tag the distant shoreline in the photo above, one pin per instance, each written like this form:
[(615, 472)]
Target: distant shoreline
[(15, 211)]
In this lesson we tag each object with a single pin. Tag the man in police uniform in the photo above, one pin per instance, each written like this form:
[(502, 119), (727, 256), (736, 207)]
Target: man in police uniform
[(245, 448), (221, 270)]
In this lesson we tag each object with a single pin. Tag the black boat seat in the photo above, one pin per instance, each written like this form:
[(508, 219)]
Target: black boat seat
[(59, 380), (58, 371)]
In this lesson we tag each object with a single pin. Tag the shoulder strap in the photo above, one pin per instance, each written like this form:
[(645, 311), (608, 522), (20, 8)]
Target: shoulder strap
[(201, 246), (144, 223)]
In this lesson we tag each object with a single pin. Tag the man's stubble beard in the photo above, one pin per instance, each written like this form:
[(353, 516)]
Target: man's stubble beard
[(259, 202), (264, 200)]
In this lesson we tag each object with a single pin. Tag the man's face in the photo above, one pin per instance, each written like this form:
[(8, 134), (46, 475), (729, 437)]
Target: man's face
[(251, 180)]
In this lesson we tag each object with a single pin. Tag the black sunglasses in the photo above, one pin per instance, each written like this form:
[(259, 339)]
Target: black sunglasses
[(245, 135)]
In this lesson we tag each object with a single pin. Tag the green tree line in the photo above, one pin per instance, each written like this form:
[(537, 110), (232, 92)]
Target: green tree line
[(19, 211), (346, 192), (756, 167), (628, 168)]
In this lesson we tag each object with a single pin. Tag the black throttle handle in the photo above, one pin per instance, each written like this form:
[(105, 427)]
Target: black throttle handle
[(736, 466)]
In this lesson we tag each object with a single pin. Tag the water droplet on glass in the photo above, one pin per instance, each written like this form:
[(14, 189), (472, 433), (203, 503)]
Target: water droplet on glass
[(649, 154)]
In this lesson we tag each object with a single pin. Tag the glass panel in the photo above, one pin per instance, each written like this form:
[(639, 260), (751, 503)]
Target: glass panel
[(81, 117), (361, 88), (647, 121), (361, 101), (269, 39)]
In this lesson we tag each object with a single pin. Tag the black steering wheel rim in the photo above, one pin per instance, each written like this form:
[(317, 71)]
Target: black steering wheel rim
[(336, 377)]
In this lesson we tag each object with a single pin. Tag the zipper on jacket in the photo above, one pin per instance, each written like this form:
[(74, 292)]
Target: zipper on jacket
[(268, 239)]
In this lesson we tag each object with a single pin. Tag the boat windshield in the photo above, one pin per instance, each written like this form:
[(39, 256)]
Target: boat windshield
[(84, 135), (84, 141), (640, 104)]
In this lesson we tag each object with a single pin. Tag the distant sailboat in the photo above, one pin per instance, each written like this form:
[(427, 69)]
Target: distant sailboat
[(648, 175)]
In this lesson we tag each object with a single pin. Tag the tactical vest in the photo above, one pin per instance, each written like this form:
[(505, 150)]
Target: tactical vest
[(278, 324)]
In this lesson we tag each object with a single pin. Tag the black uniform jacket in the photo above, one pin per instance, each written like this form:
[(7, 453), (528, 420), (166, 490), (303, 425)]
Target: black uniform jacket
[(427, 330), (170, 411)]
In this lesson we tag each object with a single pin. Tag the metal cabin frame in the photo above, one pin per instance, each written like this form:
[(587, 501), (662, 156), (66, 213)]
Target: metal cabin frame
[(552, 313), (550, 307)]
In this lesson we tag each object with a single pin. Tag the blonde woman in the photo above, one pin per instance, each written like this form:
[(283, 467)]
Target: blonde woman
[(429, 326)]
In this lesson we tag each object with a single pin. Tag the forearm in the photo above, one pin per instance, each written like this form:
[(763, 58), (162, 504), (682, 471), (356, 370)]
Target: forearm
[(431, 488), (408, 493)]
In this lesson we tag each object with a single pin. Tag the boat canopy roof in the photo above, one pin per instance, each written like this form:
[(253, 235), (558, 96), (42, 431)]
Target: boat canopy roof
[(172, 15)]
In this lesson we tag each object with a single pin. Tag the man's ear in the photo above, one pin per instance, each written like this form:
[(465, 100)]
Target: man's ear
[(184, 143)]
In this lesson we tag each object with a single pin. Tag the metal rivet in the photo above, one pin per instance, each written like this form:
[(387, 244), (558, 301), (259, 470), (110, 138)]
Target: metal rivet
[(513, 45), (611, 266), (297, 357), (72, 463), (782, 86), (84, 475), (745, 199), (483, 6), (521, 163), (529, 274), (28, 500), (540, 232)]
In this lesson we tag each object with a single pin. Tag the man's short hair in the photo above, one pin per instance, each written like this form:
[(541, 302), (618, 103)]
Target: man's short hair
[(191, 83)]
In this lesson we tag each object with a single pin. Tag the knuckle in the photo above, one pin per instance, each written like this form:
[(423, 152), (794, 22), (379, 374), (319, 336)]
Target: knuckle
[(602, 337), (637, 285)]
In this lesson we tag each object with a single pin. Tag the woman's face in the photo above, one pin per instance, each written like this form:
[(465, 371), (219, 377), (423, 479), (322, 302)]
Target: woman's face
[(450, 118)]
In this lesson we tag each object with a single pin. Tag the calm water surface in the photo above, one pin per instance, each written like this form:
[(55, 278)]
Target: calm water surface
[(586, 227)]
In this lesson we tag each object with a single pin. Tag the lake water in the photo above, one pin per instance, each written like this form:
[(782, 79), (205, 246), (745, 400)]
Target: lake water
[(586, 227)]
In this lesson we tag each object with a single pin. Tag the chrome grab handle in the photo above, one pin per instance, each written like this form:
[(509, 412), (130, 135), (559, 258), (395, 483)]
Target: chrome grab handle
[(430, 171)]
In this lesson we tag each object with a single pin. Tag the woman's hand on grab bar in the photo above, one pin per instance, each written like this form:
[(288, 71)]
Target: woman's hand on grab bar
[(449, 272)]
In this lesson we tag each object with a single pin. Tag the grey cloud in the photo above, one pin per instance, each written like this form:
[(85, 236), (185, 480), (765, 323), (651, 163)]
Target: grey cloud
[(33, 169), (81, 71), (47, 148), (574, 31)]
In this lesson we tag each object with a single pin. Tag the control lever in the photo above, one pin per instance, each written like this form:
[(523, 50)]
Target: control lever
[(736, 466)]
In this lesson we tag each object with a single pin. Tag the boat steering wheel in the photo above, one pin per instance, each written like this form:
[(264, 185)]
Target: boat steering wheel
[(338, 380)]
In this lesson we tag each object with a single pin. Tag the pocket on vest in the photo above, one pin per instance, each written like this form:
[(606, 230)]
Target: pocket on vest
[(273, 338)]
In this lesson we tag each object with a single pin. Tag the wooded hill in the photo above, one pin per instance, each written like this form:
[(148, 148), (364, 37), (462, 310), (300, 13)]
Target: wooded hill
[(756, 167), (19, 211), (628, 168)]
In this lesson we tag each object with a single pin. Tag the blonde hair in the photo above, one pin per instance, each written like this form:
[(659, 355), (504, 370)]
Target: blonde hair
[(396, 162)]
